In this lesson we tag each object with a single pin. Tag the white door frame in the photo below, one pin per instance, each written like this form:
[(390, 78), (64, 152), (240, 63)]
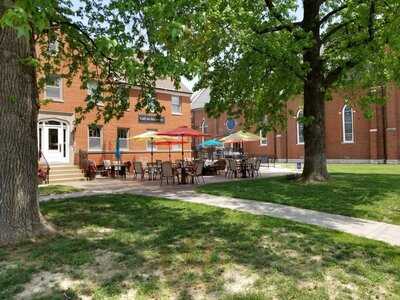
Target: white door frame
[(58, 153)]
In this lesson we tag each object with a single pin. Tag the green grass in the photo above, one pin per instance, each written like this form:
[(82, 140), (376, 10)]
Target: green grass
[(362, 191), (150, 248), (57, 189)]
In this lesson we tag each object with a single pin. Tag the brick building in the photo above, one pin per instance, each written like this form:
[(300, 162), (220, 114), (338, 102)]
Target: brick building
[(60, 140), (350, 137)]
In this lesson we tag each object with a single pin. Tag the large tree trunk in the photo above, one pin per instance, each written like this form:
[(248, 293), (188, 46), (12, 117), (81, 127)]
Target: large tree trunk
[(20, 217), (314, 100)]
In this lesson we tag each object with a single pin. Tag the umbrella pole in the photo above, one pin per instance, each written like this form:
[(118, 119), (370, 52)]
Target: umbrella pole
[(169, 151), (182, 148), (152, 150)]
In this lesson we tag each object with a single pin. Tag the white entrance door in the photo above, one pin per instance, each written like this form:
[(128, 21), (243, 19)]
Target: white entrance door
[(54, 141)]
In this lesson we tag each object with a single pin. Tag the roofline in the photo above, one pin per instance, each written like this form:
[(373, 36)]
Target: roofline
[(198, 95)]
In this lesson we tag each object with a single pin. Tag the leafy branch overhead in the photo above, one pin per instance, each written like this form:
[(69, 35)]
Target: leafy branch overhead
[(255, 55), (102, 42)]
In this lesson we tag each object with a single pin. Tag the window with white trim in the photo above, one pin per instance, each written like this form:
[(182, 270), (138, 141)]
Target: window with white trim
[(123, 137), (300, 128), (347, 124), (95, 136), (263, 139), (176, 105), (53, 89)]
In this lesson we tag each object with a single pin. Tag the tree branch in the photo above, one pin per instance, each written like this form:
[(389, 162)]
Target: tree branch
[(284, 23), (335, 74), (335, 29), (289, 27), (332, 13)]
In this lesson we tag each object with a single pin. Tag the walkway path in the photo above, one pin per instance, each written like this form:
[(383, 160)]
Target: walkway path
[(369, 229)]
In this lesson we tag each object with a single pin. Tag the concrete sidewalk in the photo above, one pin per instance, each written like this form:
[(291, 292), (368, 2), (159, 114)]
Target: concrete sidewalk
[(364, 228)]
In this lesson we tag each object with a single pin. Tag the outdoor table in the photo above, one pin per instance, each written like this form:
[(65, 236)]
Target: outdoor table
[(243, 169), (118, 169), (183, 173)]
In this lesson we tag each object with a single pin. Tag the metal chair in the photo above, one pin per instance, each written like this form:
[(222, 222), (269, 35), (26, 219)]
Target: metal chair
[(139, 171), (257, 165), (167, 172), (197, 172)]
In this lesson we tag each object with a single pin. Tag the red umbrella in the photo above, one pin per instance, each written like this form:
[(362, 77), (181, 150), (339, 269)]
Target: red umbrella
[(182, 132), (169, 143)]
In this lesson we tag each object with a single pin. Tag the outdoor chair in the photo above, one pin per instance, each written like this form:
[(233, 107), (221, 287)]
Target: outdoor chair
[(257, 165), (106, 168), (232, 168), (250, 167), (220, 165), (197, 171), (139, 171), (167, 172)]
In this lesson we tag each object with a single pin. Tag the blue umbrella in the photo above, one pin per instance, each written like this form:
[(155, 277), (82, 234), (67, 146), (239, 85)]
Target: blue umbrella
[(211, 143), (117, 150)]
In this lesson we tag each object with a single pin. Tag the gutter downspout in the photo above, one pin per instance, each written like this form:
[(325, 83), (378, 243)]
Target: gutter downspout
[(384, 126)]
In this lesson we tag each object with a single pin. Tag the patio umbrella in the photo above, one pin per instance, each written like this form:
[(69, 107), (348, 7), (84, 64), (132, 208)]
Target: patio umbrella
[(169, 144), (240, 137), (182, 132), (151, 136), (213, 143), (117, 150)]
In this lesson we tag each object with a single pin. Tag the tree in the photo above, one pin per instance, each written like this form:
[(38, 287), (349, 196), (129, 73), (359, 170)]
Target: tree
[(256, 55), (89, 39)]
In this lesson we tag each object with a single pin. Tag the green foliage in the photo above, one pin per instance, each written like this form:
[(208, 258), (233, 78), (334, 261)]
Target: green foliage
[(107, 42), (251, 53)]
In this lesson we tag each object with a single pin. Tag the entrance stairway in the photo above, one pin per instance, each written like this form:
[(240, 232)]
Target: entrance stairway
[(64, 173)]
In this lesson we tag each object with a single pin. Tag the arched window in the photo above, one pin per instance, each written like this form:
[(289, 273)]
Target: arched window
[(347, 124), (300, 128)]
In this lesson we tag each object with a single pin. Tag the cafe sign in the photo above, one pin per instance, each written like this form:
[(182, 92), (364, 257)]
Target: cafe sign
[(151, 119)]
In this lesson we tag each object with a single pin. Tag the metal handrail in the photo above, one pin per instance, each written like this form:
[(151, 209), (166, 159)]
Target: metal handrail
[(47, 165)]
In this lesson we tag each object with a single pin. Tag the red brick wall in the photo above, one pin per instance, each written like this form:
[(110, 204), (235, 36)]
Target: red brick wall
[(74, 96), (368, 133)]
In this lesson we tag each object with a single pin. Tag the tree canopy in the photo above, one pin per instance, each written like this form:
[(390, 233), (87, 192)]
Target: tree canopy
[(107, 42), (251, 53)]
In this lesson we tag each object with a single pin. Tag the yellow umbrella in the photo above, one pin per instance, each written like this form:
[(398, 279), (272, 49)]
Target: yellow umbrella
[(240, 136), (152, 136)]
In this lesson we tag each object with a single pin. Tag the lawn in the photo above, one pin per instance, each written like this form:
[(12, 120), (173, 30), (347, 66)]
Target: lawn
[(57, 189), (362, 191), (134, 247)]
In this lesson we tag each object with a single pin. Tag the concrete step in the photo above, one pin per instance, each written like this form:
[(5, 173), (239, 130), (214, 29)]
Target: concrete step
[(65, 172)]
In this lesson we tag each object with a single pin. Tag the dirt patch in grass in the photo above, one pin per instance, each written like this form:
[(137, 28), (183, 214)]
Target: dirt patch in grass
[(238, 279), (43, 282), (105, 267)]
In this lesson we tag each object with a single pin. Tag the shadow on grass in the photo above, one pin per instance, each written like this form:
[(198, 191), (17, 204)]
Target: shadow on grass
[(370, 196), (163, 245)]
